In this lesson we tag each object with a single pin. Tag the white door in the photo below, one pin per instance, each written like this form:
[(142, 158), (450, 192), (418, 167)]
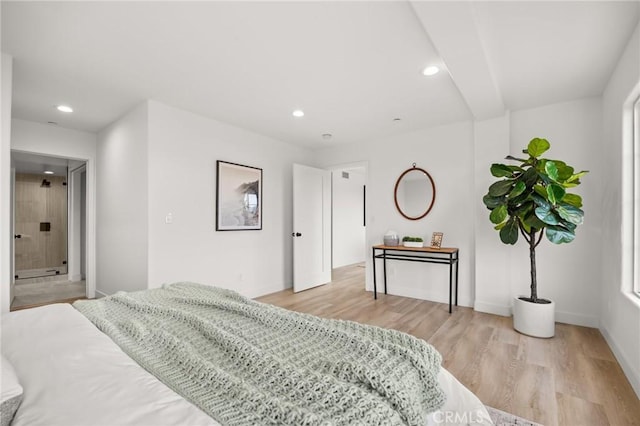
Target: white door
[(311, 227)]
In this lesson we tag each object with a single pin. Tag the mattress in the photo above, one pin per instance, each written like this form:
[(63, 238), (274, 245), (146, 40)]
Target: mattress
[(73, 374)]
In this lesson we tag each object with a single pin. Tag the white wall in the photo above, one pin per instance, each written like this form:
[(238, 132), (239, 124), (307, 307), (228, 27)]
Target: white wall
[(183, 149), (620, 310), (6, 237), (446, 152), (349, 239), (492, 258), (44, 139), (122, 237)]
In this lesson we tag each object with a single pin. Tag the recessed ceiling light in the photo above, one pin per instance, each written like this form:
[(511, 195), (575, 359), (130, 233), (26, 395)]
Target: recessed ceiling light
[(432, 70), (53, 123), (395, 120), (48, 172), (298, 113), (327, 136), (64, 108)]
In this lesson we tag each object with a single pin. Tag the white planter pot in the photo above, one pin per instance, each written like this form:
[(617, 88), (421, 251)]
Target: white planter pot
[(412, 244), (534, 319)]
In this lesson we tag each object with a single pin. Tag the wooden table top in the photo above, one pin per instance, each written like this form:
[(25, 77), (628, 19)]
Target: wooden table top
[(419, 249)]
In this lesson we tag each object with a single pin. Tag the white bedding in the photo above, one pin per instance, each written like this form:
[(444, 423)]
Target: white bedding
[(73, 374)]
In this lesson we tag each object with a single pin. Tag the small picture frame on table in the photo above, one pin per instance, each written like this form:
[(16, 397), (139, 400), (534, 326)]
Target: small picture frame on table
[(436, 240)]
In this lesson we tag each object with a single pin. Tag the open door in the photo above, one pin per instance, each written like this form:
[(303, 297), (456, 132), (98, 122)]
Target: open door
[(311, 227)]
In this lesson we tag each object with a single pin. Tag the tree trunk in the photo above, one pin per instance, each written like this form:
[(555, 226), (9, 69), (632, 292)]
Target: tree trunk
[(532, 257)]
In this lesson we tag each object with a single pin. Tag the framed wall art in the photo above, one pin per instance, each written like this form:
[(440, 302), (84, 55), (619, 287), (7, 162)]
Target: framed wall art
[(238, 197)]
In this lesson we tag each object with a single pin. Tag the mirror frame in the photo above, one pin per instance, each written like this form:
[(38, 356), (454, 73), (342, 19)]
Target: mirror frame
[(395, 193)]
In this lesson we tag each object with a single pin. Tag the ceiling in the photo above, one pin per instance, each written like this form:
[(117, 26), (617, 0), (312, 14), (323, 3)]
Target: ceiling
[(24, 162), (353, 67)]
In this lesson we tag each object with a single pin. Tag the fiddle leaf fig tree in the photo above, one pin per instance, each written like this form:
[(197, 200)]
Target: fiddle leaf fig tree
[(532, 198)]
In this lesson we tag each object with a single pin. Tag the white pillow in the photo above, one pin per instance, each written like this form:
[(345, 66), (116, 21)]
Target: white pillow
[(11, 392)]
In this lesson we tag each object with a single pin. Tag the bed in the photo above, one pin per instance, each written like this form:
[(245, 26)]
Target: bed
[(72, 373)]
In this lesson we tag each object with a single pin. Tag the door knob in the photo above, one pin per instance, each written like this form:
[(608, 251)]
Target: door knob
[(296, 234), (17, 236)]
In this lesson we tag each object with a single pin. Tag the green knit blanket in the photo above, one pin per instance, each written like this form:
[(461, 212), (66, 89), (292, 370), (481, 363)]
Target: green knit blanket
[(248, 363)]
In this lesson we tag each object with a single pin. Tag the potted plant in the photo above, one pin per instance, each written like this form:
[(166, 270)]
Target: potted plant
[(531, 199), (412, 241)]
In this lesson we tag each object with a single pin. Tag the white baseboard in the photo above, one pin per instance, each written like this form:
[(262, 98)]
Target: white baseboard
[(490, 308), (633, 375), (100, 294), (564, 317), (577, 319)]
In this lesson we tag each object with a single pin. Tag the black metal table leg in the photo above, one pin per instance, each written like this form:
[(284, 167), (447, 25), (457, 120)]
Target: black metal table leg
[(457, 263), (450, 280), (384, 268), (373, 261)]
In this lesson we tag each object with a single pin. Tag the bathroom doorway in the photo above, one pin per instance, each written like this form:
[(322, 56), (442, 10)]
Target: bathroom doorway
[(48, 223)]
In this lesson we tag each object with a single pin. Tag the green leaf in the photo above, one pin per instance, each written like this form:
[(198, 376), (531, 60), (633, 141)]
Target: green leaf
[(573, 199), (532, 221), (541, 200), (509, 233), (540, 190), (577, 176), (530, 177), (570, 214), (516, 201), (559, 235), (546, 215), (537, 147), (564, 171), (499, 214), (524, 209), (499, 226), (551, 170), (517, 189), (555, 193), (502, 187), (493, 202), (501, 170)]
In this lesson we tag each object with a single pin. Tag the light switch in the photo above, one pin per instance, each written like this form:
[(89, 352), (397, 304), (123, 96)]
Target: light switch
[(168, 219)]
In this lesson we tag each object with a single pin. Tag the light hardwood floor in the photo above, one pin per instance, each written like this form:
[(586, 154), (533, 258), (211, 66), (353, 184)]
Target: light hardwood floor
[(571, 379)]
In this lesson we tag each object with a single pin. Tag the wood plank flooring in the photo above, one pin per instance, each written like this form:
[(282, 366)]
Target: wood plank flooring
[(572, 379)]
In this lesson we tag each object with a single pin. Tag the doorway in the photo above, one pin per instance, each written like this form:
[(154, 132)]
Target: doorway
[(47, 223), (329, 222), (348, 189)]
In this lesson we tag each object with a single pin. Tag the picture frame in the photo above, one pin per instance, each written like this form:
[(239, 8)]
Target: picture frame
[(436, 240), (238, 197)]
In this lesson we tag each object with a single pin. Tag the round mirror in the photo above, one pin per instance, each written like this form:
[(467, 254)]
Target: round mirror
[(414, 193)]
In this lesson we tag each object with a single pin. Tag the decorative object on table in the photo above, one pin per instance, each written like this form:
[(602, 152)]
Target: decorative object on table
[(414, 193), (436, 240), (391, 239), (532, 199), (238, 197), (412, 242)]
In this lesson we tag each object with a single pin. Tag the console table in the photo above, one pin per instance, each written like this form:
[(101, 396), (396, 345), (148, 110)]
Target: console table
[(444, 255)]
